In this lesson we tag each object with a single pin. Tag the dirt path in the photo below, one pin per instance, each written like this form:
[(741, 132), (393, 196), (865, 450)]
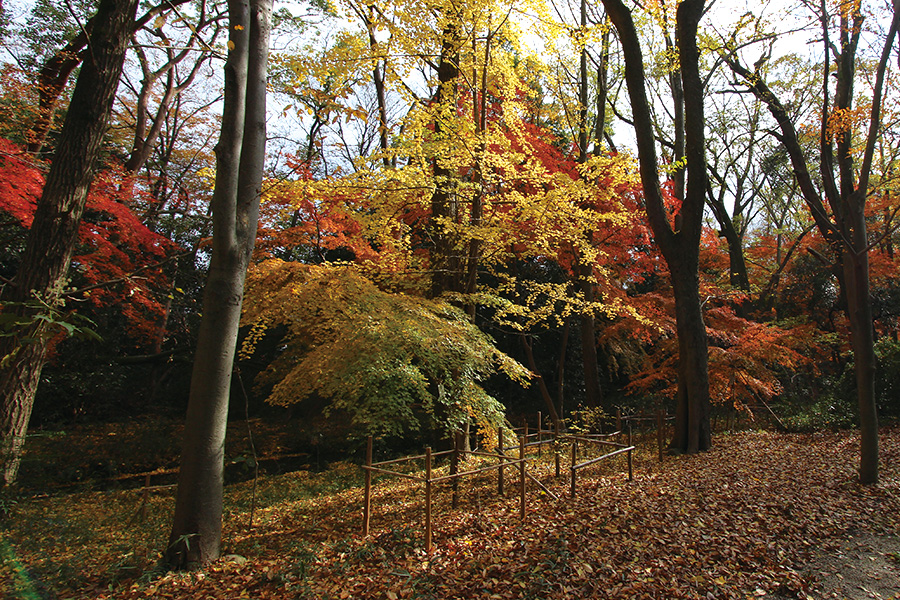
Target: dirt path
[(863, 566)]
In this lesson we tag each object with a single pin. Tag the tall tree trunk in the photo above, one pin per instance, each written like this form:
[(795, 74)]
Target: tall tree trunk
[(479, 115), (678, 150), (844, 225), (368, 15), (602, 87), (679, 245), (692, 422), (584, 273), (445, 256), (51, 240), (862, 337), (240, 154), (583, 87)]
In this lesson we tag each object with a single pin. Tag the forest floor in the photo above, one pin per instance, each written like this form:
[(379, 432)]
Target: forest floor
[(761, 515)]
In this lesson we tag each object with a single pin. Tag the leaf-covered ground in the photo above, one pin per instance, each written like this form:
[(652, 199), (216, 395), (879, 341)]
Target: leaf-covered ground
[(762, 515)]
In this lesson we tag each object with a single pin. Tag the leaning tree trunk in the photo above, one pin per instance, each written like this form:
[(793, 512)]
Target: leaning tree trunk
[(51, 241), (240, 154), (542, 385)]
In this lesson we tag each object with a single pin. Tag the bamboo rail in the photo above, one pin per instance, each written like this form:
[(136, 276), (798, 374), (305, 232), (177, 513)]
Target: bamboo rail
[(429, 479)]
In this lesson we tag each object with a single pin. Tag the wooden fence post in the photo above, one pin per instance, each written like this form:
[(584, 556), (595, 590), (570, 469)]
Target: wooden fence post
[(572, 468), (454, 469), (502, 460), (145, 498), (630, 472), (428, 499), (660, 423), (367, 506), (556, 445), (522, 476), (540, 435)]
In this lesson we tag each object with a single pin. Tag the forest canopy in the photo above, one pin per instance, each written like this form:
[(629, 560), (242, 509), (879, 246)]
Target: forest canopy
[(679, 206)]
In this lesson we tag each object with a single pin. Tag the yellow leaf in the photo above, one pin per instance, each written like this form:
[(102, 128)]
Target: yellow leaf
[(230, 45), (239, 27)]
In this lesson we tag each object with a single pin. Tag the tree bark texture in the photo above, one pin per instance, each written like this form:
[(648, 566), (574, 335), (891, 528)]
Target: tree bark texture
[(51, 239), (196, 533), (862, 337), (693, 431)]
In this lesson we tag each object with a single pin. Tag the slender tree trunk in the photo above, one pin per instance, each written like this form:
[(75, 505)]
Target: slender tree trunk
[(593, 395), (146, 139), (737, 265), (532, 365), (51, 240), (602, 87), (583, 88), (855, 262), (479, 114), (445, 256), (197, 525), (561, 369), (584, 273), (379, 70)]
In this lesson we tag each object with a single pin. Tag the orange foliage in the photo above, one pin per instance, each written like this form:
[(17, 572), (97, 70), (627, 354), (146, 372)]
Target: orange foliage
[(746, 357)]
